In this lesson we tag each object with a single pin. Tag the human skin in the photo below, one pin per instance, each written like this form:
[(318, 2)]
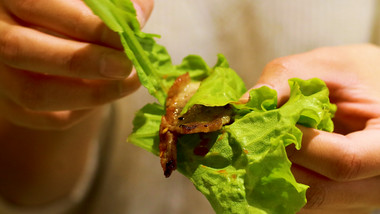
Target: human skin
[(60, 67), (342, 168)]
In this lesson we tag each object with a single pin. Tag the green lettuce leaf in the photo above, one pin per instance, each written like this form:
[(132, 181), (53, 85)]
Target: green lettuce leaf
[(151, 60), (145, 127), (242, 168), (221, 87)]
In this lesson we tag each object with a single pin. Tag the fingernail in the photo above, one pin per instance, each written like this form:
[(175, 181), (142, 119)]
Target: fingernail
[(139, 14), (244, 98), (129, 85), (115, 66), (259, 85)]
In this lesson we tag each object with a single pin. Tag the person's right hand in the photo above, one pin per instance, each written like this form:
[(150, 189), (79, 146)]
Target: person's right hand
[(59, 62), (342, 168)]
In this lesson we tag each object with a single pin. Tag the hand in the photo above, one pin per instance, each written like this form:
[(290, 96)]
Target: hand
[(341, 168), (59, 62)]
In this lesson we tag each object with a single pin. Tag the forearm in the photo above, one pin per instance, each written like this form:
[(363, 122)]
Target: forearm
[(39, 166)]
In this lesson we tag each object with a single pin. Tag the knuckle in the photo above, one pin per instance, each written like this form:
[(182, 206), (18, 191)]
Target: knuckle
[(316, 197), (9, 46), (279, 64), (347, 167), (280, 67)]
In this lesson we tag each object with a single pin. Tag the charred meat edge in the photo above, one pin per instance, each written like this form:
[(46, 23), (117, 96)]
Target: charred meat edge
[(198, 119)]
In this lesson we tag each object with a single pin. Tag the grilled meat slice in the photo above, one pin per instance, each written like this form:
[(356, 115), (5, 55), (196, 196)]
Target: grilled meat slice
[(196, 120), (178, 95)]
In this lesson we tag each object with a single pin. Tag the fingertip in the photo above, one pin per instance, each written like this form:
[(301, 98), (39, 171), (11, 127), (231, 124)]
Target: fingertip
[(282, 92), (143, 10), (130, 84), (140, 14), (259, 85), (245, 97)]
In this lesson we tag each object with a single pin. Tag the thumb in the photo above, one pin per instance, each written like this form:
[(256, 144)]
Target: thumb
[(282, 92)]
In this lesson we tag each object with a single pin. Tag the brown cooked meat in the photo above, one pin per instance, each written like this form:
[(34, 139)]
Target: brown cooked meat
[(198, 119)]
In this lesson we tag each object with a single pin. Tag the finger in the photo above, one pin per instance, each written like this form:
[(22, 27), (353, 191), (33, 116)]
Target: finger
[(245, 97), (72, 18), (353, 116), (143, 10), (339, 157), (23, 117), (326, 194), (28, 49), (51, 93), (316, 63)]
